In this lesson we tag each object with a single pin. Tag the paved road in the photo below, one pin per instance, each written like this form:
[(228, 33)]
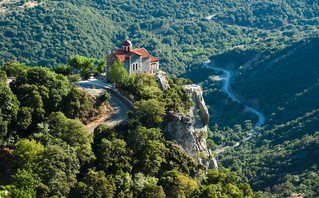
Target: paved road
[(226, 77), (120, 108)]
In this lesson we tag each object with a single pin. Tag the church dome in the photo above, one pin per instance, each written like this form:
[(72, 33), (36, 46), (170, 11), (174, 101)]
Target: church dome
[(127, 43)]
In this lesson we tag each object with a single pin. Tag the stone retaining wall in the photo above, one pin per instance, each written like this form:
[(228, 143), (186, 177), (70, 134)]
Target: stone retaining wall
[(114, 91), (122, 97)]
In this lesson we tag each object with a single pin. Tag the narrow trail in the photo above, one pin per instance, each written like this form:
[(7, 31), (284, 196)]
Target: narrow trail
[(226, 77)]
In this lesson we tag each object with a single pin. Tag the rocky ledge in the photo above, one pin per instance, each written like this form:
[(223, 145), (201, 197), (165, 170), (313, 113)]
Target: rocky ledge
[(190, 130)]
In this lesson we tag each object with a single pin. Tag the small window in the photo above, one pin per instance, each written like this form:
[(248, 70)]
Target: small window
[(134, 66)]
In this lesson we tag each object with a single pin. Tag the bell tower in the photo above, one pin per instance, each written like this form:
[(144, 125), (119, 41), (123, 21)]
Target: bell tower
[(127, 46)]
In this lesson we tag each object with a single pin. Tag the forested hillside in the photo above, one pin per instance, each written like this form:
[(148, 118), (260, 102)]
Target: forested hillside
[(271, 15), (175, 31), (282, 77), (283, 84)]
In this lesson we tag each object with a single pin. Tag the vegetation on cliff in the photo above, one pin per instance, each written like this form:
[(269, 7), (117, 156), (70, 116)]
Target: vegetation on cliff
[(151, 102), (51, 153)]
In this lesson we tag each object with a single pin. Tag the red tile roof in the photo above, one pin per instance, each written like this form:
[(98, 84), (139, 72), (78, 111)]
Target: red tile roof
[(123, 55), (154, 59), (143, 52)]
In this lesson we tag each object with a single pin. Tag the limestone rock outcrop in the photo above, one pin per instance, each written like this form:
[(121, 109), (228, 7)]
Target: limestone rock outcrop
[(10, 79), (162, 80), (196, 93), (190, 130)]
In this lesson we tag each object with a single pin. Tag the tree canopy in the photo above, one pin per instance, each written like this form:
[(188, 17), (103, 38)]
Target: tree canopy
[(118, 73)]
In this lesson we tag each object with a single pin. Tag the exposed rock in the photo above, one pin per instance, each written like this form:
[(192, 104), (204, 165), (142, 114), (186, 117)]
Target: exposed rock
[(196, 93), (190, 130), (162, 80), (10, 79)]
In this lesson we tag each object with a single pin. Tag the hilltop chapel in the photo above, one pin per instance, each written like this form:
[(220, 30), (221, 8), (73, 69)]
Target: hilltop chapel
[(134, 60)]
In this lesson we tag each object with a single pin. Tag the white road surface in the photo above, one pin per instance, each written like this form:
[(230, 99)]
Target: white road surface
[(226, 77)]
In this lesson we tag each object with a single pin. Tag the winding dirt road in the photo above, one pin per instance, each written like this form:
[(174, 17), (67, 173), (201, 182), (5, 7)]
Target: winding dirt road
[(226, 77)]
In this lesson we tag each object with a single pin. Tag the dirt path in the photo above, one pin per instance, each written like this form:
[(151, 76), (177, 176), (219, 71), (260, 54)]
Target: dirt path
[(120, 108), (118, 115)]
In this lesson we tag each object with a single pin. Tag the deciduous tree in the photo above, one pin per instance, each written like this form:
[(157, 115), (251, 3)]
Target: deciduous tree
[(150, 111), (94, 184), (118, 73)]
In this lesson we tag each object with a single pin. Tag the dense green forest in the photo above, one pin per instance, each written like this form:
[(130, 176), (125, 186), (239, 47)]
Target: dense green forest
[(175, 31), (46, 151), (293, 70), (271, 15)]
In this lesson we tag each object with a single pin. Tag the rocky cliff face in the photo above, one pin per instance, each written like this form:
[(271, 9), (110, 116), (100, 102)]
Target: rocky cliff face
[(162, 77), (190, 130)]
